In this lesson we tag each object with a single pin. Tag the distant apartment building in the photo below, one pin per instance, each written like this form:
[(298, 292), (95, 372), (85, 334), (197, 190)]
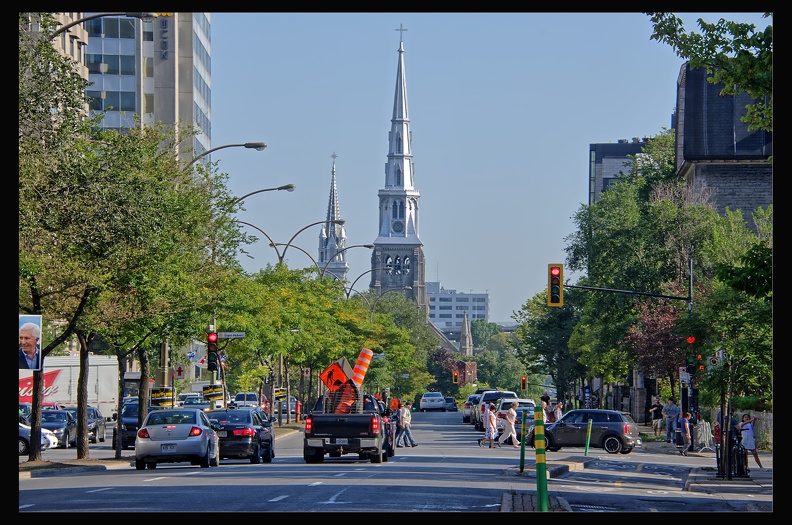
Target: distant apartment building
[(607, 163), (447, 308)]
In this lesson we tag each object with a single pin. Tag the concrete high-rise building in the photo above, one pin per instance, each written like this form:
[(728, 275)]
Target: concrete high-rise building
[(160, 70), (607, 163), (447, 308), (397, 262)]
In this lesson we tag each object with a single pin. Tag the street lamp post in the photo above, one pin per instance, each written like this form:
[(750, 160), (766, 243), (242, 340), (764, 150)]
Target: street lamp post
[(339, 252), (286, 247), (374, 304), (282, 254), (258, 146), (287, 187), (146, 17), (302, 250)]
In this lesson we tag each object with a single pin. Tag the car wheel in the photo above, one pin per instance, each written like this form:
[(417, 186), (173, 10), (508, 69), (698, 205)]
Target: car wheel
[(204, 463), (94, 439), (376, 456), (24, 447), (626, 450), (151, 466), (612, 445), (140, 464), (102, 435), (66, 439), (215, 461), (268, 455), (256, 457)]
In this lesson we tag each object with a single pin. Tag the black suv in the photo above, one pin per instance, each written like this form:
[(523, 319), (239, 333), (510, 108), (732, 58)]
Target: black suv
[(614, 431)]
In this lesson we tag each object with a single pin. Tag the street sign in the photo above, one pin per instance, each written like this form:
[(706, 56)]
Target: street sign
[(230, 335), (179, 372)]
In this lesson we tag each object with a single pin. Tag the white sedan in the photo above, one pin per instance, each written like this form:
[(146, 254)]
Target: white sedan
[(48, 439), (432, 401)]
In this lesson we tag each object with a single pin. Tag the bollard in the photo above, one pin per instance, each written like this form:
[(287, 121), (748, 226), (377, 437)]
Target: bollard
[(542, 502)]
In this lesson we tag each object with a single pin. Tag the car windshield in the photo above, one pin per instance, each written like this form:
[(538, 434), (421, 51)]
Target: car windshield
[(433, 394), (163, 417), (193, 401), (129, 410), (53, 417)]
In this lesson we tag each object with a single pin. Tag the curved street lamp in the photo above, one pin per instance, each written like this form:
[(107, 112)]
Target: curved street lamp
[(287, 187), (304, 251), (258, 146), (274, 245), (324, 270), (374, 305), (349, 291), (146, 17)]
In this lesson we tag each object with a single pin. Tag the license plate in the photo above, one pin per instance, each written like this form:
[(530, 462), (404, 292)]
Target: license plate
[(168, 448), (341, 441), (221, 433)]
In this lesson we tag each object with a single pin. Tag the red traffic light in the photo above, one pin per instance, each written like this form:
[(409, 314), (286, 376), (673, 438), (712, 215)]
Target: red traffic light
[(691, 339), (211, 337), (555, 271)]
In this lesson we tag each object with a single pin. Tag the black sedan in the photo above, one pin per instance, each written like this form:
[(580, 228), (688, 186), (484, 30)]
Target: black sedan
[(62, 424), (97, 424), (243, 434)]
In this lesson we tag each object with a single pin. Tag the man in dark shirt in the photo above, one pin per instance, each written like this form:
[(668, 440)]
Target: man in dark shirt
[(657, 417)]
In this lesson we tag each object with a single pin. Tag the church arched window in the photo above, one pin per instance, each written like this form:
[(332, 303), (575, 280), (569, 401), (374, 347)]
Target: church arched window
[(398, 177), (397, 266), (388, 265), (406, 265)]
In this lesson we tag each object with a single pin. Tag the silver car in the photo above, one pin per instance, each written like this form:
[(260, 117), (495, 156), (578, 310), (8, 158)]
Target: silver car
[(48, 439), (174, 435), (432, 401)]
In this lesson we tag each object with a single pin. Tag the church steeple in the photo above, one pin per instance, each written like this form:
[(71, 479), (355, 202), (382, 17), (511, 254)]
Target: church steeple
[(332, 238), (465, 338), (398, 259)]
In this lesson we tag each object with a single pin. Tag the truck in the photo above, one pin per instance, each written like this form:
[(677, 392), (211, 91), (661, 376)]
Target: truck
[(60, 376), (365, 429), (347, 421)]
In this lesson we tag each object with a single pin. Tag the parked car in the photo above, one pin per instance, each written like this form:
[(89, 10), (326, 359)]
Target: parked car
[(432, 401), (48, 439), (128, 421), (281, 405), (62, 424), (468, 406), (614, 431), (97, 424), (243, 434), (24, 412), (525, 405), (174, 435), (450, 404), (490, 396)]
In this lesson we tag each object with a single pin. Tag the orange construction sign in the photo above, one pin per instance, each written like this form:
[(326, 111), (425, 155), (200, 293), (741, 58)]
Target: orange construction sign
[(334, 377)]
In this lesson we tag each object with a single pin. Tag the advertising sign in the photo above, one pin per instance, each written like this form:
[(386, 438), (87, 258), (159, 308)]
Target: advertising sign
[(213, 392), (162, 396)]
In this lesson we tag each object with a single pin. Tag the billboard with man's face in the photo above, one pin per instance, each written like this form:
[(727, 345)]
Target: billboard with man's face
[(30, 342)]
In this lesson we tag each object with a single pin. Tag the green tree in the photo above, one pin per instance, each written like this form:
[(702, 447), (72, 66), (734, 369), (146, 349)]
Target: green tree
[(735, 54)]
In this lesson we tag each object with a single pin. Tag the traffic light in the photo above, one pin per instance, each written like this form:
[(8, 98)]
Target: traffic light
[(523, 383), (455, 377), (212, 355), (555, 285)]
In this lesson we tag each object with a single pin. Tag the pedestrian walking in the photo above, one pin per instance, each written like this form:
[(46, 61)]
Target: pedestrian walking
[(558, 411), (748, 439), (670, 413), (508, 426), (684, 427), (490, 427), (405, 425)]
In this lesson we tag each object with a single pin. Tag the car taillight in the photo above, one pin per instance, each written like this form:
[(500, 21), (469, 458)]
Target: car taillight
[(196, 431), (308, 425), (245, 432), (143, 433), (375, 425)]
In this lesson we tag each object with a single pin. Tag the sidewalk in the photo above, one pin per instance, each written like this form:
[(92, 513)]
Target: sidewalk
[(701, 479)]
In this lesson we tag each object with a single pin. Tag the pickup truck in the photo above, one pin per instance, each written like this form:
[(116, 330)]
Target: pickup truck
[(363, 428)]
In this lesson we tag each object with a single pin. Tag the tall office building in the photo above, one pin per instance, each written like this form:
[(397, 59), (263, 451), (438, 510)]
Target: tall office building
[(397, 262), (607, 163), (160, 70)]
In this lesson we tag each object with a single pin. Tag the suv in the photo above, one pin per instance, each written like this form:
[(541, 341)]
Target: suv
[(612, 430), (470, 405), (246, 399), (490, 396)]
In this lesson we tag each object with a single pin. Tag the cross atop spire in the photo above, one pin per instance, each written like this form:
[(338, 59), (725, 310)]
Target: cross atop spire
[(401, 31)]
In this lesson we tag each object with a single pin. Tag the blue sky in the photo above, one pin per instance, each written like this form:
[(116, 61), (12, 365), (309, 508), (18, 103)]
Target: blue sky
[(503, 107)]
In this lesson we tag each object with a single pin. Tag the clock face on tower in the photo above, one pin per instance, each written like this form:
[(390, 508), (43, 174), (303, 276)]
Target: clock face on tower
[(397, 226)]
